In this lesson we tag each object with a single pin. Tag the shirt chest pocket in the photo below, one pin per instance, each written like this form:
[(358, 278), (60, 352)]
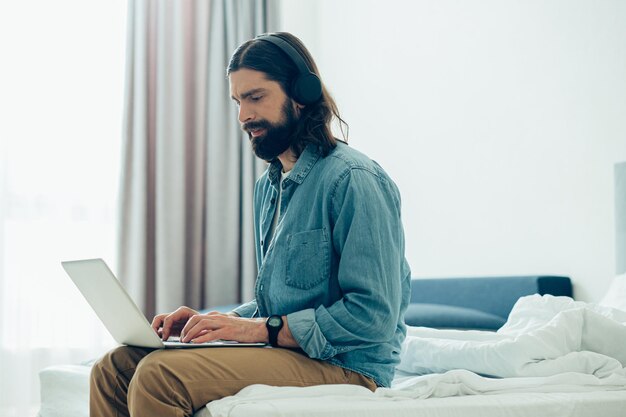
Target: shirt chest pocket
[(307, 258)]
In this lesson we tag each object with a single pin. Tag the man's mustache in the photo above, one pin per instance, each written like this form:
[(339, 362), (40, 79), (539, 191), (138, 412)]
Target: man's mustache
[(261, 124)]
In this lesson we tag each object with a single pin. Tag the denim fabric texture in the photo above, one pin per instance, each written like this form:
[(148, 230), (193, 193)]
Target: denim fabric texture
[(335, 265)]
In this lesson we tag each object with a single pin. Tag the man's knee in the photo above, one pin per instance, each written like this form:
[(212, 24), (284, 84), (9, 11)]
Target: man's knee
[(155, 382), (105, 368), (151, 368), (115, 366)]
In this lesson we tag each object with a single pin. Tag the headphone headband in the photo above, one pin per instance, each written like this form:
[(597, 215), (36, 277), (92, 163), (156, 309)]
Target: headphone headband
[(286, 47), (306, 88)]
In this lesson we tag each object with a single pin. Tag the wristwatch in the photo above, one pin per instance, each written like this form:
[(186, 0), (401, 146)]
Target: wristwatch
[(274, 323)]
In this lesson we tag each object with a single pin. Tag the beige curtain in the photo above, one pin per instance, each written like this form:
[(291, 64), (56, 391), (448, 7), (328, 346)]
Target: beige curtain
[(186, 234)]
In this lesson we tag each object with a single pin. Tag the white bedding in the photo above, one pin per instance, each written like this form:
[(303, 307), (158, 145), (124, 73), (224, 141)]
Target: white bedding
[(565, 394), (550, 346), (586, 404), (554, 357), (65, 394), (543, 336)]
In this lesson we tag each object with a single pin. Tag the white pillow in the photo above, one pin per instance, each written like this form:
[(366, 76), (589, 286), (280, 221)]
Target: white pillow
[(615, 297)]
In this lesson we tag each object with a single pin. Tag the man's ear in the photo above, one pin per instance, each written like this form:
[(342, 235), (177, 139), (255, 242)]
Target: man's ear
[(297, 107)]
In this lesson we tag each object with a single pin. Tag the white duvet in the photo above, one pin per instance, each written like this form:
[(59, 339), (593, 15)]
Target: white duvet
[(543, 336), (549, 344)]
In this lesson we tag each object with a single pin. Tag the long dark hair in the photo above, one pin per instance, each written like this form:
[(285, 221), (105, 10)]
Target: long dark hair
[(314, 125)]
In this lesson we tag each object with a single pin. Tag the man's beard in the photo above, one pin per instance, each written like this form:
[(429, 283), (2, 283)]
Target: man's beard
[(277, 137)]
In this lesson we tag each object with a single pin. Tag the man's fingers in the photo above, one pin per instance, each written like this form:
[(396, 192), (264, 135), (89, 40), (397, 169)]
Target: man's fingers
[(157, 322), (196, 326), (207, 336), (188, 329), (169, 324)]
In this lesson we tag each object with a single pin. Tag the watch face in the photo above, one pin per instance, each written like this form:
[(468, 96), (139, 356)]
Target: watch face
[(274, 321)]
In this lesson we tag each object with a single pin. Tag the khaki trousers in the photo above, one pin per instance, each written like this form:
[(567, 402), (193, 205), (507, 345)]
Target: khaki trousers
[(136, 382)]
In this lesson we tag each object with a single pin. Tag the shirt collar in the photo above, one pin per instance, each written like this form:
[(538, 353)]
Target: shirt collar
[(300, 170)]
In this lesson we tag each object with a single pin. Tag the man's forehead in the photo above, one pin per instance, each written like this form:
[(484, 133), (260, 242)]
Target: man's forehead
[(244, 80)]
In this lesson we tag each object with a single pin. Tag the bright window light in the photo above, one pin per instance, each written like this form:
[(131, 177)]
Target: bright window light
[(61, 109)]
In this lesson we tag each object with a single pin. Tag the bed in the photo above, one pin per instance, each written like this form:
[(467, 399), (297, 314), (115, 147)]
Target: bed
[(553, 357), (64, 393)]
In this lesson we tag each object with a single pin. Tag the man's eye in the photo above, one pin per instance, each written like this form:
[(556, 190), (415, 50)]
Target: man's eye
[(256, 98)]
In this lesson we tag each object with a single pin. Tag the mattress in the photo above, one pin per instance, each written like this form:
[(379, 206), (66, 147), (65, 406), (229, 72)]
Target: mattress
[(605, 404), (64, 393)]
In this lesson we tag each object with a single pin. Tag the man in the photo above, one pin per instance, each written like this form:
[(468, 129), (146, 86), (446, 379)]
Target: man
[(333, 282)]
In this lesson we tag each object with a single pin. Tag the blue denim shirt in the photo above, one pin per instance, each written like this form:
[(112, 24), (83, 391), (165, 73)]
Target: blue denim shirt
[(335, 266)]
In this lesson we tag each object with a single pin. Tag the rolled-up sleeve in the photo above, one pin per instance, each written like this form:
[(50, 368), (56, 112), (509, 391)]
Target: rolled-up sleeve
[(246, 310)]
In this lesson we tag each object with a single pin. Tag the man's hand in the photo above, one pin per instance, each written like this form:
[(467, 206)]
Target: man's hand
[(213, 326), (171, 324), (194, 327)]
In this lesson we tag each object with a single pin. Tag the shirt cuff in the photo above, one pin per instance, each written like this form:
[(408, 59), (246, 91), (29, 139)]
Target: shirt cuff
[(307, 333), (247, 309)]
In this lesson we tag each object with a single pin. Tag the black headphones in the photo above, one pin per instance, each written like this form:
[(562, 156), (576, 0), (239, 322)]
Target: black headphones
[(306, 88)]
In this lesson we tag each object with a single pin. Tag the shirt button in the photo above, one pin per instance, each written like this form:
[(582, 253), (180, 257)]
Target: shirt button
[(261, 243), (273, 200)]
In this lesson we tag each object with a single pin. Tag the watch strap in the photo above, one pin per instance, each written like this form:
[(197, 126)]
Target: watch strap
[(274, 323)]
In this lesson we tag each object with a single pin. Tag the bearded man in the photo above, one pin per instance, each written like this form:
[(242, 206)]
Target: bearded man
[(333, 282)]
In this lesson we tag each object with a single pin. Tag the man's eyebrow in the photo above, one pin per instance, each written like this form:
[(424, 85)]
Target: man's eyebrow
[(249, 93)]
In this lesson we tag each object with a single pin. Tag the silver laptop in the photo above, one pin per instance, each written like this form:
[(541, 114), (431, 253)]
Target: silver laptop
[(117, 311)]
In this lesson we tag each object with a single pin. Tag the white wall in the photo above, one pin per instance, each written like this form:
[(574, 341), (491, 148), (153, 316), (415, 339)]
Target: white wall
[(499, 120)]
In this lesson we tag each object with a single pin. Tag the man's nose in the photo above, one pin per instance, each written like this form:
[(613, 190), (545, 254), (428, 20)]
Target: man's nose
[(245, 113)]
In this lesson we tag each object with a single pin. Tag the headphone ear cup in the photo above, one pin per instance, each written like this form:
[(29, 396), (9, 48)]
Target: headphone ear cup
[(306, 88)]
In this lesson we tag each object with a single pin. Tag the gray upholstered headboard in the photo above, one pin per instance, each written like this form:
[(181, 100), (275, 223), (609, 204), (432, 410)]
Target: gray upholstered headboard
[(477, 302)]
